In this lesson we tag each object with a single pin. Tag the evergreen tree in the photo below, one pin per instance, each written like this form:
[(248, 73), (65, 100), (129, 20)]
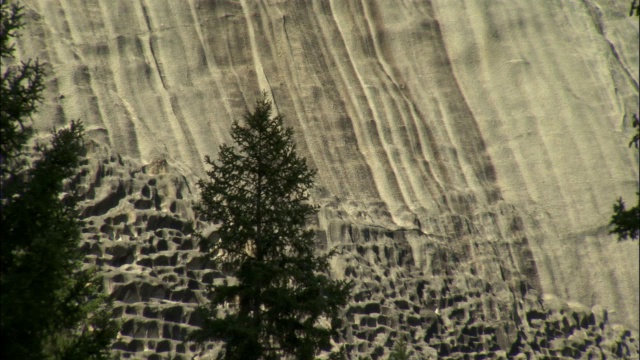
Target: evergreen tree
[(400, 351), (258, 192), (50, 307), (626, 223)]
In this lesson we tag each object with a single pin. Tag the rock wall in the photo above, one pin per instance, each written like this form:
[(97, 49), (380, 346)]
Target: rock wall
[(468, 155)]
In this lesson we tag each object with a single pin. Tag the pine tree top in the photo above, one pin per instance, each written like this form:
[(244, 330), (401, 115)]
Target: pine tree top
[(258, 190)]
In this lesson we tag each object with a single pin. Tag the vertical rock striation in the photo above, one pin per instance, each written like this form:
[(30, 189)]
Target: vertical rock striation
[(468, 155)]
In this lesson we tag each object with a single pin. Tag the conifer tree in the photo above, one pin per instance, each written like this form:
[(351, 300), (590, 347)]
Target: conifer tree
[(51, 308), (400, 351), (258, 192), (626, 222)]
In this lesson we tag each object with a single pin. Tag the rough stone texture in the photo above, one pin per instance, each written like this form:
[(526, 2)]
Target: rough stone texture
[(468, 153), (138, 222)]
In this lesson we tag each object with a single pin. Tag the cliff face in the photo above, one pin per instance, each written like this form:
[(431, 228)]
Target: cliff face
[(468, 155)]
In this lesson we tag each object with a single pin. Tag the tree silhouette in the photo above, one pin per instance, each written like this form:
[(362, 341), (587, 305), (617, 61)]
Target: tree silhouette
[(50, 307), (258, 192), (626, 223), (400, 351)]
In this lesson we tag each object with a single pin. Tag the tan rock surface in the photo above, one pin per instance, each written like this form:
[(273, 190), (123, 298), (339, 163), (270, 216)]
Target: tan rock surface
[(468, 155)]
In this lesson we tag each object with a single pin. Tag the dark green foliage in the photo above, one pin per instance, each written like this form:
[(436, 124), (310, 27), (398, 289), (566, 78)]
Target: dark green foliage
[(635, 8), (626, 223), (50, 307), (21, 88), (258, 192), (340, 354), (400, 351)]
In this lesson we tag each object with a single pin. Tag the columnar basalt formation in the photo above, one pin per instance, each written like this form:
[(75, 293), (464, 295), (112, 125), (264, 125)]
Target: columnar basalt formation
[(468, 154)]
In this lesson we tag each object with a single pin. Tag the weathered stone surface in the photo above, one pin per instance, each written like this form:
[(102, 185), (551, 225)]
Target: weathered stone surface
[(468, 154)]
